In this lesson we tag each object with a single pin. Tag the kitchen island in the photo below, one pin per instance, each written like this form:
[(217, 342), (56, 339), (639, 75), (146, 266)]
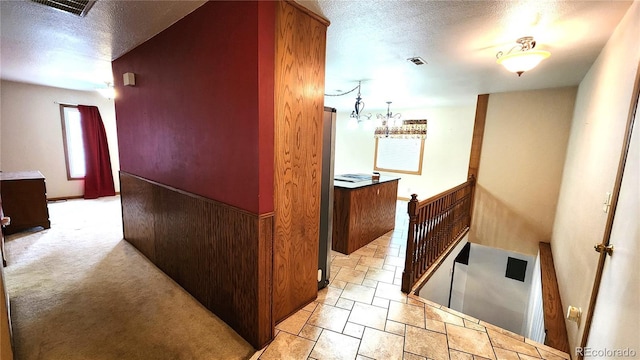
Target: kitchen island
[(363, 210)]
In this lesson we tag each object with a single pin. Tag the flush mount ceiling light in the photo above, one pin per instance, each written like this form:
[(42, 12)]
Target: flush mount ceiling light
[(522, 57)]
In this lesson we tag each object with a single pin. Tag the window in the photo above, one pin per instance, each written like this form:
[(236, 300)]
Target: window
[(73, 143), (400, 155)]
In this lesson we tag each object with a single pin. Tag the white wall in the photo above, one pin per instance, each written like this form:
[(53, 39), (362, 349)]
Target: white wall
[(446, 150), (598, 126), (492, 297), (533, 327), (523, 152), (439, 284), (31, 136)]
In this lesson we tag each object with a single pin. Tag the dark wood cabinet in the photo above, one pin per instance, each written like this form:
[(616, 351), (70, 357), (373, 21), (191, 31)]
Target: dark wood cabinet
[(24, 200), (362, 212)]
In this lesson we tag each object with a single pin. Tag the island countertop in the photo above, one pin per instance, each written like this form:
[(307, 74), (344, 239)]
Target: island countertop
[(356, 184)]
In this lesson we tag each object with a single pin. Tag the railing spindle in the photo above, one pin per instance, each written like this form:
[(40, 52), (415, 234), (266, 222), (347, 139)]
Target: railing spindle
[(434, 224)]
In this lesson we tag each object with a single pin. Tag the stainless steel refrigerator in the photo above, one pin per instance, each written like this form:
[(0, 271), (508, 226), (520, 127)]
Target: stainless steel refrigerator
[(326, 198)]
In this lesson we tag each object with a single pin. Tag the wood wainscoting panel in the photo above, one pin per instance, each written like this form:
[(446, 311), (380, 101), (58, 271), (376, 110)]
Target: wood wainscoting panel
[(299, 107), (220, 254), (137, 214)]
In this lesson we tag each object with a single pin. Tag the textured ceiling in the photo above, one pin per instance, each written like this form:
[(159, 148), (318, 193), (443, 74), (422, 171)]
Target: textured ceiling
[(45, 46), (367, 40)]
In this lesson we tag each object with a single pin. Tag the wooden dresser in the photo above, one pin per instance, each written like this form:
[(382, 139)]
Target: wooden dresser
[(362, 212), (24, 200)]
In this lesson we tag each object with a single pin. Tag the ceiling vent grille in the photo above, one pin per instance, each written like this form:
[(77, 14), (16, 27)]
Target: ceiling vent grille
[(417, 60), (75, 7)]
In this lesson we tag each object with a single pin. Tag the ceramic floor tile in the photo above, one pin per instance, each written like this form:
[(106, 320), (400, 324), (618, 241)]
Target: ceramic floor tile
[(544, 348), (332, 345), (366, 251), (310, 332), (381, 241), (438, 314), (294, 323), (391, 292), (329, 317), (406, 314), (310, 307), (469, 341), (362, 268), (360, 357), (381, 345), (457, 355), (350, 276), (502, 341), (459, 314), (394, 327), (410, 356), (380, 275), (435, 325), (368, 315), (397, 281), (474, 326), (413, 301), (359, 293), (338, 284), (287, 346), (344, 304), (380, 302), (502, 331), (371, 262), (389, 268), (329, 295), (549, 355), (429, 344), (502, 354), (354, 330), (389, 250), (369, 283), (348, 262), (527, 357), (394, 260)]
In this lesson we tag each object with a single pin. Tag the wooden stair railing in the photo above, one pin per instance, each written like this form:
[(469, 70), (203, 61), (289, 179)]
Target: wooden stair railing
[(434, 225)]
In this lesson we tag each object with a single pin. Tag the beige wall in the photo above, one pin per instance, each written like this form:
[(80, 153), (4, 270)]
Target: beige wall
[(446, 149), (597, 130), (31, 137), (523, 151)]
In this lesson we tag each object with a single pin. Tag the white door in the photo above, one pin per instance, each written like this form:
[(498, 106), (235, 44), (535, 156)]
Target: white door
[(614, 331)]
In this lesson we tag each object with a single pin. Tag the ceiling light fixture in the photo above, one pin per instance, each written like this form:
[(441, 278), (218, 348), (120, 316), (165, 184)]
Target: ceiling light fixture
[(359, 107), (383, 129), (522, 57), (109, 92)]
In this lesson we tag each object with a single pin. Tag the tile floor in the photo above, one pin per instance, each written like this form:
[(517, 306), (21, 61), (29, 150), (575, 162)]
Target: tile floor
[(362, 314)]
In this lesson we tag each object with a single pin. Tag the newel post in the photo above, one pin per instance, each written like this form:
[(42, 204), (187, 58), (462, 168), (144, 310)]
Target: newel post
[(407, 274)]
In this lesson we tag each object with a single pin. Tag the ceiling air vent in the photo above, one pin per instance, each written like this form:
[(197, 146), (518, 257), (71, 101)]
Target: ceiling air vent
[(417, 60), (75, 7)]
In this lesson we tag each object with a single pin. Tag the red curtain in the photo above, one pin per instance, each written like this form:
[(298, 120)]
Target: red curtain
[(98, 179)]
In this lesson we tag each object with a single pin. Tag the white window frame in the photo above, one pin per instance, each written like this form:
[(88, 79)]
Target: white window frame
[(73, 142)]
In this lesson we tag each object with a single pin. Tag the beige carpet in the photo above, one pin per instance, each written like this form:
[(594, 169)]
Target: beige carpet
[(78, 291)]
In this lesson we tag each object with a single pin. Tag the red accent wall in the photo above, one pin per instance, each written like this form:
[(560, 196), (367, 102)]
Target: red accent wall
[(200, 117)]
